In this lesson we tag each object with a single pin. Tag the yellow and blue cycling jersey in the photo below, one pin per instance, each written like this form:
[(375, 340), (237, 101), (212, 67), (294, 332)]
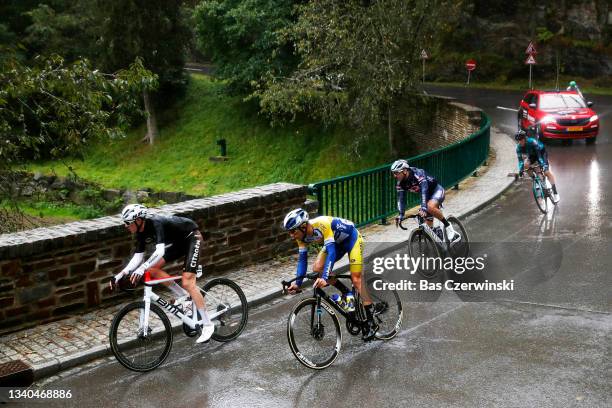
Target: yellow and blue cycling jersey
[(339, 237)]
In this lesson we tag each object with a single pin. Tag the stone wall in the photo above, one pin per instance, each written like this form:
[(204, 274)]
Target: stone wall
[(446, 122), (47, 273)]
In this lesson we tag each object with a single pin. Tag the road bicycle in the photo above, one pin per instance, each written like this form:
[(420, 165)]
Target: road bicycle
[(313, 327), (425, 241), (542, 190), (141, 334)]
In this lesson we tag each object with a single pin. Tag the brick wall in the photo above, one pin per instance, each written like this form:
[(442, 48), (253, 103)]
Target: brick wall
[(47, 273)]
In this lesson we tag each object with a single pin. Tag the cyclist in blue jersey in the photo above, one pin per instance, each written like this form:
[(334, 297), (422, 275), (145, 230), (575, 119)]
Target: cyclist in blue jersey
[(339, 237), (432, 195), (535, 152)]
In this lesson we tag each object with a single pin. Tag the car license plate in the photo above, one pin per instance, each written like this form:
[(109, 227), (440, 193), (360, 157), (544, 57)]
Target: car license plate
[(574, 128)]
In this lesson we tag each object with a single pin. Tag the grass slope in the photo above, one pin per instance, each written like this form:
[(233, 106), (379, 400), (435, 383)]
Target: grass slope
[(179, 160)]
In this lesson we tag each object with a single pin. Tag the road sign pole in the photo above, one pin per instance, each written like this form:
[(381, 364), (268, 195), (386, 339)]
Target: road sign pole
[(423, 70), (530, 76), (468, 81)]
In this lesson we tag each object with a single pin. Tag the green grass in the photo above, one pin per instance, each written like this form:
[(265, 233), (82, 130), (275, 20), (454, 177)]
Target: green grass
[(586, 86), (64, 211), (179, 160)]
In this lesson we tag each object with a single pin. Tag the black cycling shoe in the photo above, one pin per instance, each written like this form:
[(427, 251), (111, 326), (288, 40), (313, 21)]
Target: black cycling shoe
[(370, 331), (380, 308)]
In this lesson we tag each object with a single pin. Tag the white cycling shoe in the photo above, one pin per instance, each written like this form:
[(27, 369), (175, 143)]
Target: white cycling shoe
[(451, 234), (207, 331)]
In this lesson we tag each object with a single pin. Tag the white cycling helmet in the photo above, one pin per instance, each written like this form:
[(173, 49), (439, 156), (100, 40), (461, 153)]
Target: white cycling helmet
[(294, 219), (399, 165), (133, 211)]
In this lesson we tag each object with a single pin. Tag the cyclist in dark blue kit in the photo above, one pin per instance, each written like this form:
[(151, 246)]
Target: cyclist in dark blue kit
[(432, 194), (536, 153)]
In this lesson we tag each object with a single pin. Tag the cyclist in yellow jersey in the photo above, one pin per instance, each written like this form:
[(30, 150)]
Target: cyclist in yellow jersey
[(339, 237)]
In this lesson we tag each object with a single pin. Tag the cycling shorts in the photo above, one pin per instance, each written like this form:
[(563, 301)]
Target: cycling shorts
[(190, 248), (534, 159), (353, 246), (437, 194)]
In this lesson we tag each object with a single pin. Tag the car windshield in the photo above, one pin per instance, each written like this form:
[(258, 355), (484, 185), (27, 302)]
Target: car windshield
[(561, 101)]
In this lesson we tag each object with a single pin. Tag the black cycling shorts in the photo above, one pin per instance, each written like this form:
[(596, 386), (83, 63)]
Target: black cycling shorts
[(190, 248)]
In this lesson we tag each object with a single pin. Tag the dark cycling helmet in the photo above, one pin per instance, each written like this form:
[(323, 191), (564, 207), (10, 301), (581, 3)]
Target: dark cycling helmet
[(520, 135)]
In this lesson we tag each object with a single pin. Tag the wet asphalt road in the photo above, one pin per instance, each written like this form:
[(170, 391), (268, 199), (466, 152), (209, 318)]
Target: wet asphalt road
[(549, 346)]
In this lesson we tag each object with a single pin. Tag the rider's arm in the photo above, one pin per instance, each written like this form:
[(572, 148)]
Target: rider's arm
[(134, 263), (521, 163), (401, 201), (160, 246), (302, 264), (330, 248), (424, 186), (160, 250)]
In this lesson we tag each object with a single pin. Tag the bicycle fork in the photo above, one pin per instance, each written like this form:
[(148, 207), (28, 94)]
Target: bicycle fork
[(143, 321)]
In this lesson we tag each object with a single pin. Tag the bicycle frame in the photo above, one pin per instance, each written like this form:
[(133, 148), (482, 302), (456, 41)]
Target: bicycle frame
[(150, 296)]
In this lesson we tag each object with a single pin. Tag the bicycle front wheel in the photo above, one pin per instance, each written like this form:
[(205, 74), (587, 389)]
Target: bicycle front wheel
[(460, 248), (388, 310), (422, 245), (227, 306), (136, 347), (539, 195), (314, 334)]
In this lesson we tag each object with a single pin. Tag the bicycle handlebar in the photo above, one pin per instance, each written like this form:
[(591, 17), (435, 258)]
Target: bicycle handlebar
[(398, 222)]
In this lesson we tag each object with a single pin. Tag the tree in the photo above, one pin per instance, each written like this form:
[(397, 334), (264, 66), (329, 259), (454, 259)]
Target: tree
[(155, 31), (244, 39), (358, 60), (54, 109)]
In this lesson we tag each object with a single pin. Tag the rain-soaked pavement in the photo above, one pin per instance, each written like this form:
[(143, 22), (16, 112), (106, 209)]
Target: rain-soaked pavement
[(548, 346)]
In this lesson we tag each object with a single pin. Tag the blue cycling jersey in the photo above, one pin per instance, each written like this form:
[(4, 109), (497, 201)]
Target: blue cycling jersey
[(417, 181), (534, 149)]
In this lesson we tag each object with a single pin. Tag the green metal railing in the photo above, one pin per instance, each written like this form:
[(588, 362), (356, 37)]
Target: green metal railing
[(370, 195)]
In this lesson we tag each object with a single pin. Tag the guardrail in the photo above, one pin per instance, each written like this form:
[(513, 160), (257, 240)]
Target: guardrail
[(370, 195)]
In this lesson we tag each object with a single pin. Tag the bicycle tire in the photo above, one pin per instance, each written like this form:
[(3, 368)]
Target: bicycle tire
[(421, 244), (539, 196), (389, 321), (461, 248), (117, 348), (227, 326), (294, 333)]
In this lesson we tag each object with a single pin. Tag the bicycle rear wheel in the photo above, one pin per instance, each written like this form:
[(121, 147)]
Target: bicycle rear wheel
[(460, 248), (314, 334), (132, 347), (227, 306), (388, 310), (539, 195), (422, 245)]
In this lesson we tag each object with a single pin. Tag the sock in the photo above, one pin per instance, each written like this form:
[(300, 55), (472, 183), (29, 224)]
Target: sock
[(445, 222), (204, 315), (554, 188), (177, 290)]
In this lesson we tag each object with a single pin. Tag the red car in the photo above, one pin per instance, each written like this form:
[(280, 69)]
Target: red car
[(558, 115)]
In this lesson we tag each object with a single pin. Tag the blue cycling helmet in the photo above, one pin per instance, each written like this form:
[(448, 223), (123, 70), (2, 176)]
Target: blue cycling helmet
[(294, 219)]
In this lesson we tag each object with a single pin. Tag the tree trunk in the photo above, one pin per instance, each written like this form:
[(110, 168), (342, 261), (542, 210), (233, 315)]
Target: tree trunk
[(152, 132), (392, 147)]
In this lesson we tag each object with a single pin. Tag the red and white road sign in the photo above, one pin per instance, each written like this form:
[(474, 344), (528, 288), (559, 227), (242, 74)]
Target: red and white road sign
[(424, 54), (530, 60), (531, 49), (470, 65)]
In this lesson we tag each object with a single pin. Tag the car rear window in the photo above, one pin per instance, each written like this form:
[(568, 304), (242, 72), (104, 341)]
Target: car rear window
[(560, 101)]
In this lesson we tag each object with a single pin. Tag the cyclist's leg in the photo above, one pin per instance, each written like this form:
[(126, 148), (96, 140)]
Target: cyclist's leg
[(433, 204), (355, 254), (192, 260)]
